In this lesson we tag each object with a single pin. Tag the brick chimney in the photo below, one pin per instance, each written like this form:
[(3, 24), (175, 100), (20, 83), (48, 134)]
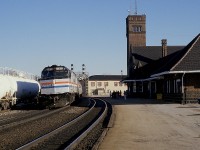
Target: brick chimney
[(164, 47)]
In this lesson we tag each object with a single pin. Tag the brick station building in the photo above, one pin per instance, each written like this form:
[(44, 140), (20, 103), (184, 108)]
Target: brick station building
[(164, 72)]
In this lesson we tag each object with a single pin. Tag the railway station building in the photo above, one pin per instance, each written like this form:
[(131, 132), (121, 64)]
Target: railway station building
[(170, 73), (105, 85)]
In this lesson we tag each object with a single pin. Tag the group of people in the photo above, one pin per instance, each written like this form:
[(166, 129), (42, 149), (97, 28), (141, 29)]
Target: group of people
[(118, 94)]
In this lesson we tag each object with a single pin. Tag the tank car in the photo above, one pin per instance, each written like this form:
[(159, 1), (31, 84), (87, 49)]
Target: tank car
[(14, 89), (59, 86)]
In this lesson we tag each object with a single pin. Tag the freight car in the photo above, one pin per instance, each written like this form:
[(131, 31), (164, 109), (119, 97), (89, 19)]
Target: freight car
[(59, 86), (15, 87)]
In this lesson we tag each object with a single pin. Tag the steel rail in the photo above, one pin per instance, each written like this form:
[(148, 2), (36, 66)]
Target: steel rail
[(6, 119), (30, 119), (50, 134), (85, 133)]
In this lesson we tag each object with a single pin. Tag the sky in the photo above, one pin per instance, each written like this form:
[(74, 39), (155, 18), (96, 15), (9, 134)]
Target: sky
[(39, 33)]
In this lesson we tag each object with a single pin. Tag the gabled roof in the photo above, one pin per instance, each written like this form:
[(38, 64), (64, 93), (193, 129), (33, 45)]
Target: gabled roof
[(186, 59), (149, 69), (148, 54), (190, 59), (107, 77)]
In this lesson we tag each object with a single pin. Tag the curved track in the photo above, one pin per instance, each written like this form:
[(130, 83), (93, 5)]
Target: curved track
[(69, 135), (14, 134)]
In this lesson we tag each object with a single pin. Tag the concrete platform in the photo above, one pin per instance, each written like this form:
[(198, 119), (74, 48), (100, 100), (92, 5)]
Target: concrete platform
[(142, 124)]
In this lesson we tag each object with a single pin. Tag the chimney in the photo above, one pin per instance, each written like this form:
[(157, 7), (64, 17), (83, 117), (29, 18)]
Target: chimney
[(164, 47)]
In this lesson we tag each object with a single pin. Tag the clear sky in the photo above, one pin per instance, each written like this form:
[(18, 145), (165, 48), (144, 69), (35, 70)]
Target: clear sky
[(38, 33)]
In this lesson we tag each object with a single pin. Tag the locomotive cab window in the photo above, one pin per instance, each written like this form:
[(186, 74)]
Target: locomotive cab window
[(55, 72)]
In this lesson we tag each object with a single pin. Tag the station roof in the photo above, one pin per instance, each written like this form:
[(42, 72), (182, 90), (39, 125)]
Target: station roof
[(107, 77), (184, 60), (148, 54)]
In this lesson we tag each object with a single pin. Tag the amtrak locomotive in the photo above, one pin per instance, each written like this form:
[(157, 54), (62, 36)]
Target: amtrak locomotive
[(59, 86)]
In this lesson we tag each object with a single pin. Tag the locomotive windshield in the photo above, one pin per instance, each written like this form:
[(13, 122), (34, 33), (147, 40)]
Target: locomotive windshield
[(55, 72)]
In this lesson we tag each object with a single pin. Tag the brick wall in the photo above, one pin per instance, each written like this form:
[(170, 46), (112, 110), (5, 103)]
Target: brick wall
[(192, 86)]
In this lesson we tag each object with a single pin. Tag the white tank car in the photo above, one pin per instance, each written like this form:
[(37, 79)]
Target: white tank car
[(14, 87), (27, 88), (59, 86)]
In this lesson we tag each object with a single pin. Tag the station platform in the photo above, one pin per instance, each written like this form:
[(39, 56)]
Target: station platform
[(142, 124)]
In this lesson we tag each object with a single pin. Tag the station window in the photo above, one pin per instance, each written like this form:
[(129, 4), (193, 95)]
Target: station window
[(153, 87), (99, 84), (105, 83), (171, 86), (120, 84), (178, 86), (115, 83), (168, 86), (93, 84), (139, 86), (134, 87)]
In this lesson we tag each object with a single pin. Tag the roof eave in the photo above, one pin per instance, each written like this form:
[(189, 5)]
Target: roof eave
[(174, 72), (135, 80)]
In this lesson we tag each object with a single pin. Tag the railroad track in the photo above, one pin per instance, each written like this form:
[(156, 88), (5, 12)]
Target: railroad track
[(14, 135), (16, 117), (20, 118), (47, 132), (69, 135)]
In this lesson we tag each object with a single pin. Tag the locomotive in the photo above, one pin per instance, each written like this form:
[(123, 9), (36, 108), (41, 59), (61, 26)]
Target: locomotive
[(59, 86)]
